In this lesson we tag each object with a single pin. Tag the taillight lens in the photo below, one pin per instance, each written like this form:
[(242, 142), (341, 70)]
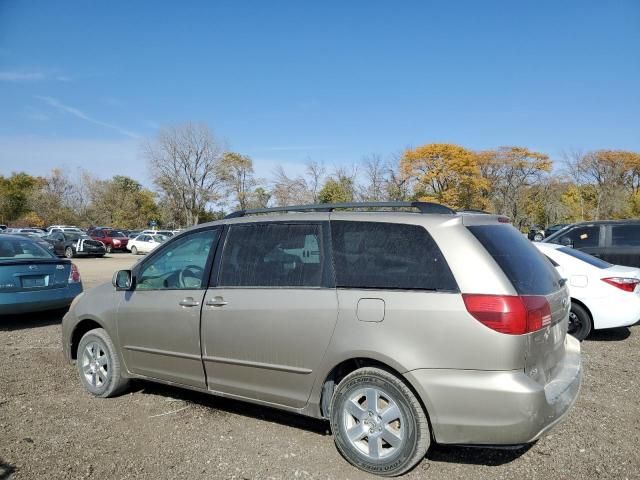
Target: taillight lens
[(74, 274), (513, 315), (626, 284)]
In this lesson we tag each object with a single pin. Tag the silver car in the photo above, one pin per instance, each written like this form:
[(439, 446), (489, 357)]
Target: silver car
[(400, 328)]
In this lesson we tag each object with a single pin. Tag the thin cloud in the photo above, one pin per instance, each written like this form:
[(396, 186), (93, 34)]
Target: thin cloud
[(14, 76), (55, 103), (294, 148)]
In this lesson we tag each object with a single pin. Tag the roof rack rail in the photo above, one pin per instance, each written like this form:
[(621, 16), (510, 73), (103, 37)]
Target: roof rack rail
[(422, 207)]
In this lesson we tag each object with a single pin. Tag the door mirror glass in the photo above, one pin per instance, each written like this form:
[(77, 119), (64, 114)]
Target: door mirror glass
[(122, 280)]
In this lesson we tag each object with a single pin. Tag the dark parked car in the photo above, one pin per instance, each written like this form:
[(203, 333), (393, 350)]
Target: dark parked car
[(74, 244), (537, 233), (32, 279), (112, 239), (614, 241)]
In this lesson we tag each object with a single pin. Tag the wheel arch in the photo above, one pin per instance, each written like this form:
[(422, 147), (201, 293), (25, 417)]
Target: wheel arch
[(587, 309), (345, 367), (82, 327)]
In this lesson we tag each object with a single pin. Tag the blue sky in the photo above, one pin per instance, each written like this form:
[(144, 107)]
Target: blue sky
[(84, 83)]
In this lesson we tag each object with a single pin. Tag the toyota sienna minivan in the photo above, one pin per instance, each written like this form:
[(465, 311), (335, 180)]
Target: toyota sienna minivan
[(400, 328)]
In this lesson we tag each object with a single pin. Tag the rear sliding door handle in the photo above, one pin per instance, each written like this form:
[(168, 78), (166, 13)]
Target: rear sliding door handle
[(216, 302), (189, 302)]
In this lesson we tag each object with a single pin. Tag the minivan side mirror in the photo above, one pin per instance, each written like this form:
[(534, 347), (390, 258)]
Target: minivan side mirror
[(122, 280)]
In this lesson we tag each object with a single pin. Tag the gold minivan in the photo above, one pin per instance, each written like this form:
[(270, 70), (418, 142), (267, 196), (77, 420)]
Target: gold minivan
[(402, 328)]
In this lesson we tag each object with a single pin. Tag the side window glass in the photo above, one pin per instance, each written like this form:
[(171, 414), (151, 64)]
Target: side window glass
[(272, 255), (582, 237), (388, 256), (625, 235), (181, 265)]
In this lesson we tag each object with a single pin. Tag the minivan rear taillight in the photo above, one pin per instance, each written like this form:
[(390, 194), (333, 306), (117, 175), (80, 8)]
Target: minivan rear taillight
[(626, 284), (513, 315)]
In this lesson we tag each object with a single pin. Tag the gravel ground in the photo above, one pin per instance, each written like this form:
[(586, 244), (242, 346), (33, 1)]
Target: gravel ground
[(50, 428)]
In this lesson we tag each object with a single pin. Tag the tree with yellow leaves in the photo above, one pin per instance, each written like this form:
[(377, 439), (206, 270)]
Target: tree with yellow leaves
[(444, 173), (509, 172)]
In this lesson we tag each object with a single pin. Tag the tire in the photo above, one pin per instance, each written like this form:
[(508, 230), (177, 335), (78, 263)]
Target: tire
[(100, 379), (538, 237), (580, 323), (109, 248), (406, 424), (68, 252), (134, 250)]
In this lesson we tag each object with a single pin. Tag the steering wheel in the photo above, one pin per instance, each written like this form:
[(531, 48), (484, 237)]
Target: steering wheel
[(190, 271)]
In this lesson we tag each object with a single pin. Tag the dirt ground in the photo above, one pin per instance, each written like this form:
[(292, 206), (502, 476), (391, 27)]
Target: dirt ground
[(51, 429)]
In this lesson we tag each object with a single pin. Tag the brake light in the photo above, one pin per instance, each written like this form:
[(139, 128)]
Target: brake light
[(626, 284), (512, 315), (74, 274)]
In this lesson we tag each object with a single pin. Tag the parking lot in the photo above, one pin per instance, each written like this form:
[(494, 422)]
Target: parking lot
[(51, 428)]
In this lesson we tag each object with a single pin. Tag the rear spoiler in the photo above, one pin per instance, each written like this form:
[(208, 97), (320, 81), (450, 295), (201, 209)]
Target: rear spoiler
[(475, 218)]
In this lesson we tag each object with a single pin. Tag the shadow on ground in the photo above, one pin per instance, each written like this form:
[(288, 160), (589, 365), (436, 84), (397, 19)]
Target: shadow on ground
[(6, 470), (236, 407), (610, 335), (491, 457), (31, 320)]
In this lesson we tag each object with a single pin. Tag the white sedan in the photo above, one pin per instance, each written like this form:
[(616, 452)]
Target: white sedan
[(602, 295), (145, 243)]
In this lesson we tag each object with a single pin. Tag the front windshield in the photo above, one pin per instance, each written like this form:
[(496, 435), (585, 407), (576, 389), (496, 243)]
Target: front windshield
[(585, 257)]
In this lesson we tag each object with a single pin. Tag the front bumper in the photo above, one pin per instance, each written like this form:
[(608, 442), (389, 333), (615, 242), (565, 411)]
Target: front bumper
[(38, 301), (497, 407)]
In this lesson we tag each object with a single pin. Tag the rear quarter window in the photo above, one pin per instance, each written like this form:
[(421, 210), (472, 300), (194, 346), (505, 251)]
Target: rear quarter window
[(388, 256), (528, 270)]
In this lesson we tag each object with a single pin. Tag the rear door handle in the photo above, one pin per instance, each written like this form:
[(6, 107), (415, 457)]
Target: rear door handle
[(189, 302), (216, 302)]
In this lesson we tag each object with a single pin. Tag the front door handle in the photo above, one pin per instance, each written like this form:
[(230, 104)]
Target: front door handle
[(189, 302), (216, 302)]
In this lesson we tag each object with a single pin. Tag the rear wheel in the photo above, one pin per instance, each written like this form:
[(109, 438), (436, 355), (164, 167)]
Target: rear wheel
[(109, 248), (98, 365), (538, 237), (580, 323), (378, 423), (134, 250), (68, 252)]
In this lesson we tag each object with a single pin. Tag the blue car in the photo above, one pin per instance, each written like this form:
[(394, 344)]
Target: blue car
[(32, 279)]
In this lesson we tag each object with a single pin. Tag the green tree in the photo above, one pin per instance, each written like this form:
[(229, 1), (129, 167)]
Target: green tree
[(14, 195), (236, 172), (338, 190)]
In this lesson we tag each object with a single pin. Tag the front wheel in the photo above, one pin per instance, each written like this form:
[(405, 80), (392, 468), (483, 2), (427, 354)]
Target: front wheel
[(109, 248), (538, 237), (378, 423), (99, 366), (580, 323), (134, 250)]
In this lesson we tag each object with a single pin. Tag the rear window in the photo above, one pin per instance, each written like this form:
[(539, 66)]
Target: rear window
[(388, 256), (625, 235), (585, 257), (527, 269), (21, 248)]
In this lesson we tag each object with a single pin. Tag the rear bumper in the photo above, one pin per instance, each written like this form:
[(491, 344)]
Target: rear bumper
[(625, 313), (37, 301), (497, 407)]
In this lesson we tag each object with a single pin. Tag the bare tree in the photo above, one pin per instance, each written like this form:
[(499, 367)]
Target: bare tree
[(184, 161), (316, 174), (374, 187), (288, 190)]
